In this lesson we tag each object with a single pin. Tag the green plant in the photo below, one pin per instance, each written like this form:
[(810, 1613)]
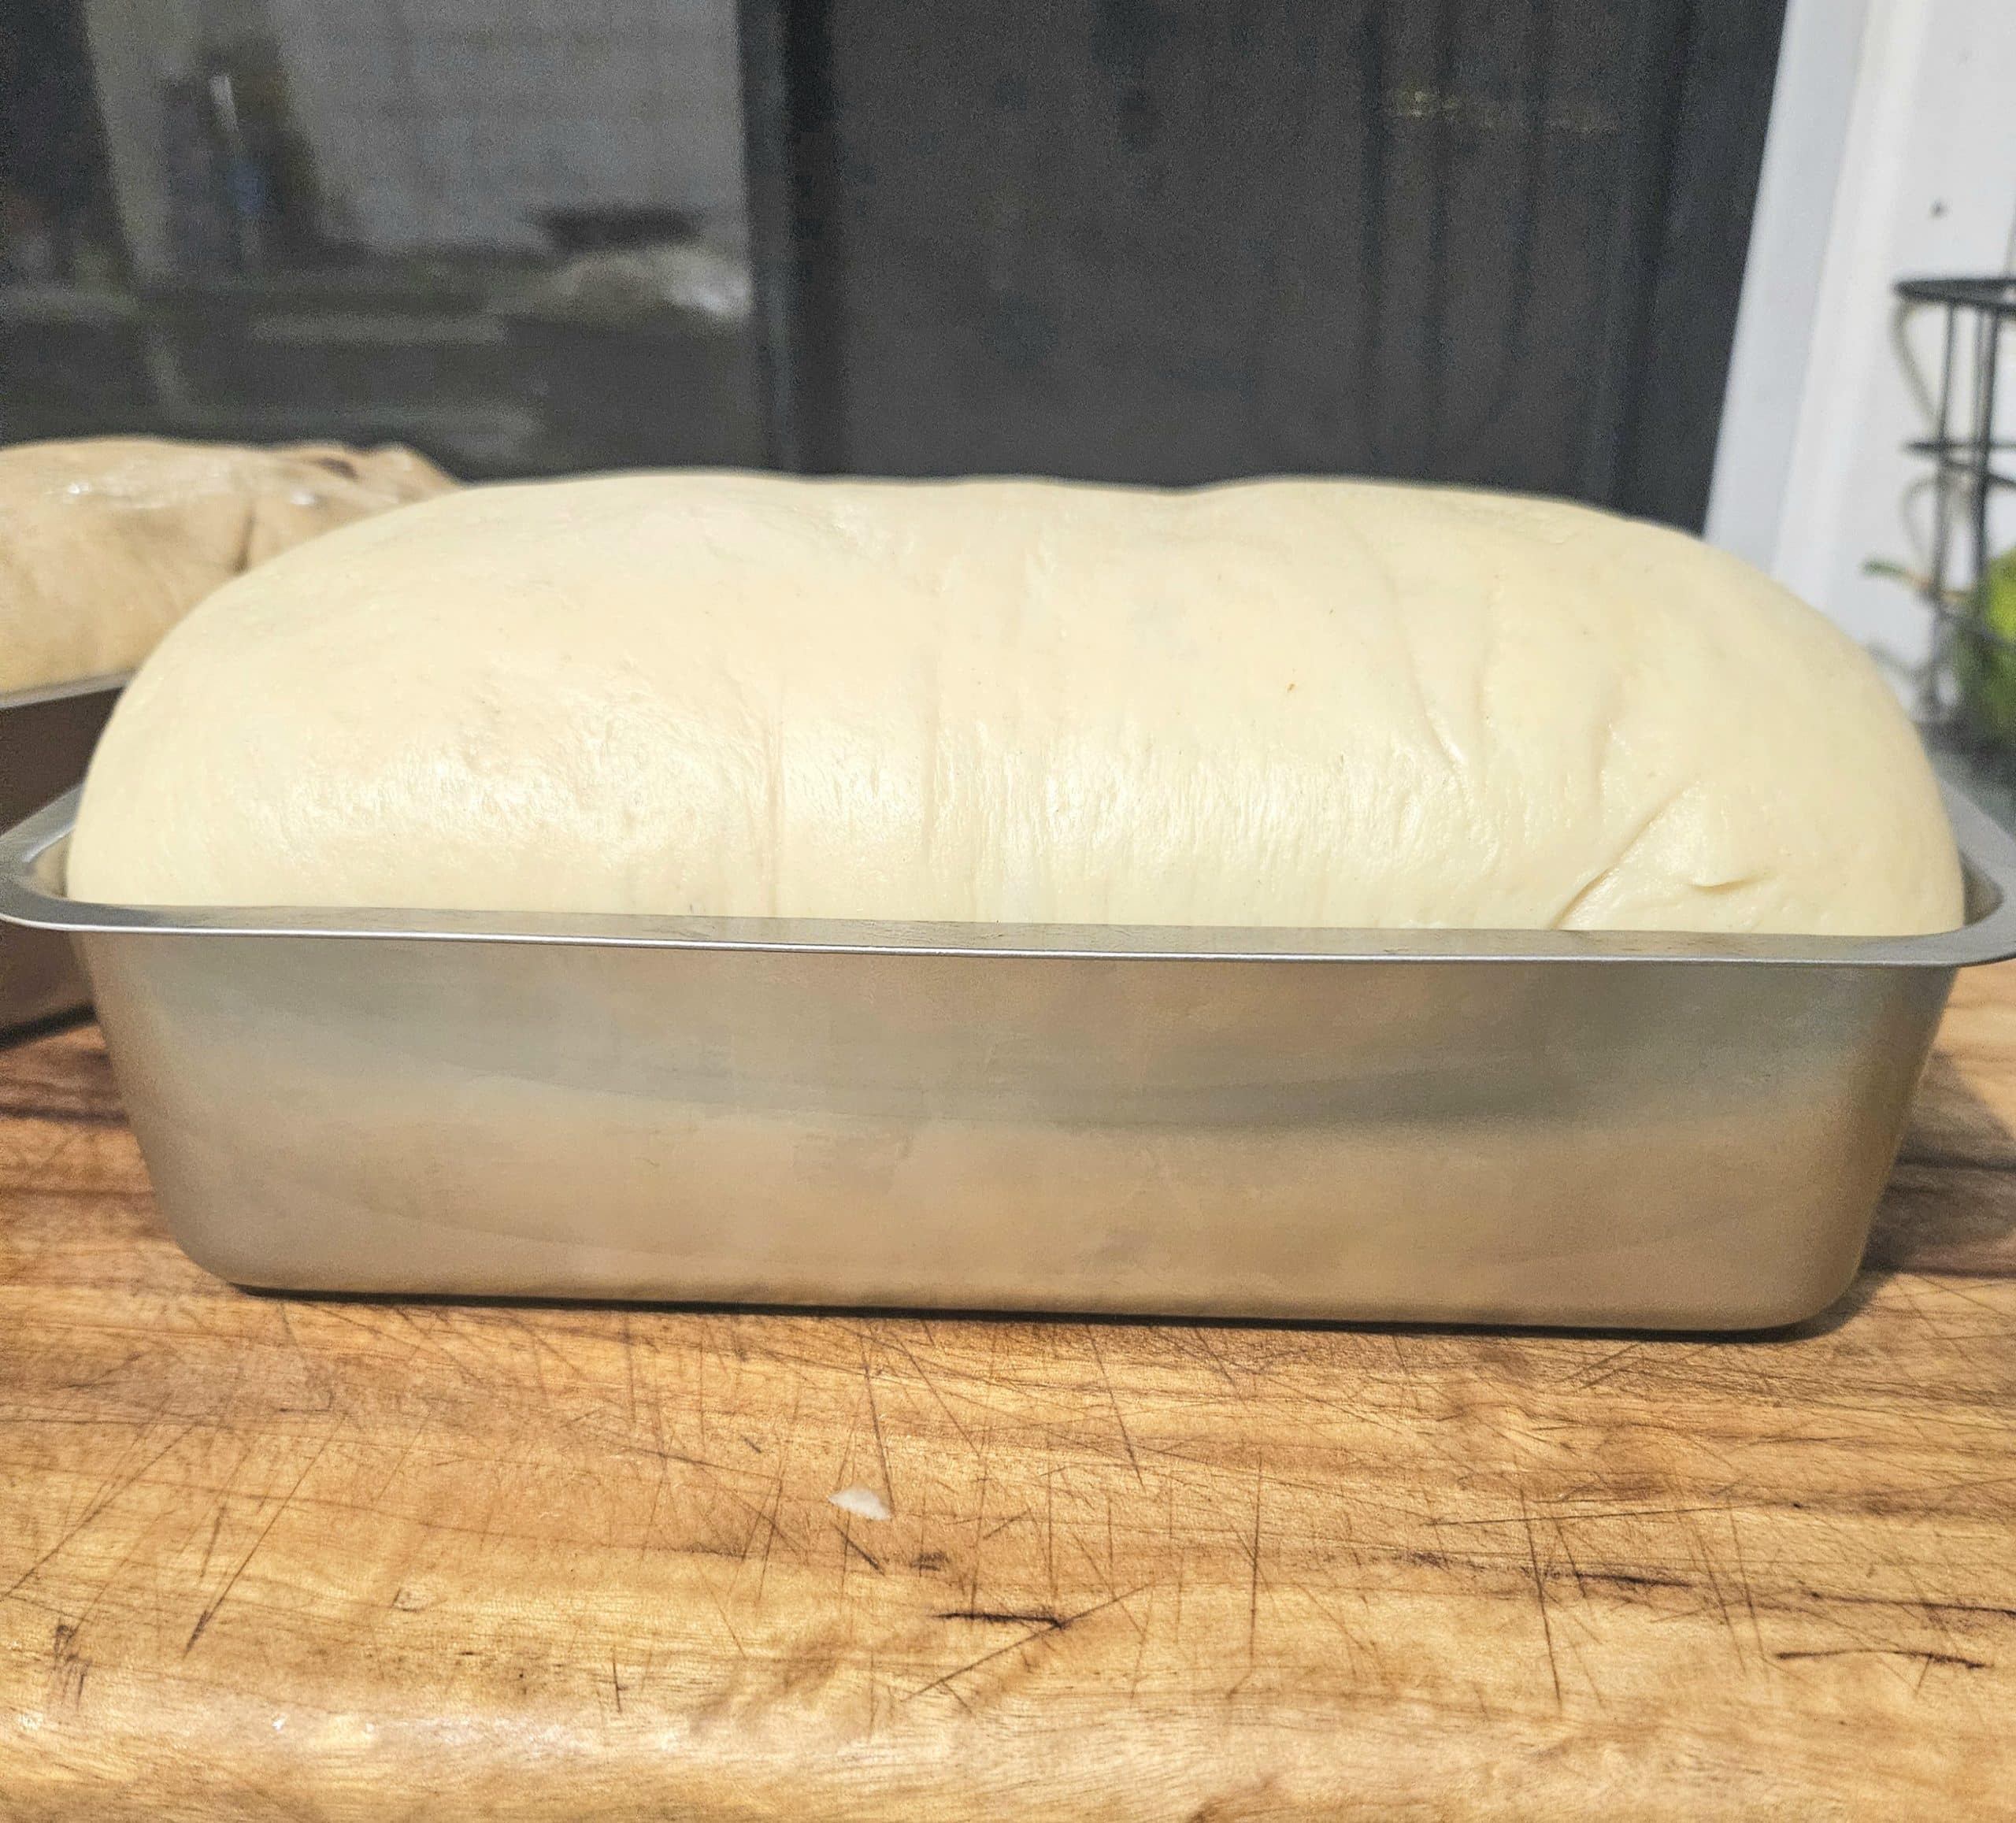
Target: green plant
[(1984, 645)]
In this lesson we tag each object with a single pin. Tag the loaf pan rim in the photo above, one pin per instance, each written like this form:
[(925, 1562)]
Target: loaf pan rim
[(30, 857)]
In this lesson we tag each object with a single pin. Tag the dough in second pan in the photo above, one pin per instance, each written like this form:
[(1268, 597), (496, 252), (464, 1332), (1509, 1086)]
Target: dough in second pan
[(106, 542)]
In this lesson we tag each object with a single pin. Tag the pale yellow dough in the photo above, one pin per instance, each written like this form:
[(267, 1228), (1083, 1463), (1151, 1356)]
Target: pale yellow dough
[(106, 542), (1318, 703)]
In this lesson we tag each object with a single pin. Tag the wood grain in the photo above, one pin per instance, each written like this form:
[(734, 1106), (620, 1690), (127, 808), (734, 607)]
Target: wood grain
[(277, 1558)]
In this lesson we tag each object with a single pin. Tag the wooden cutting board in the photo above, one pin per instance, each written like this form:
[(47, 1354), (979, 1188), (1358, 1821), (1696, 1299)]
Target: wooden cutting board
[(283, 1558)]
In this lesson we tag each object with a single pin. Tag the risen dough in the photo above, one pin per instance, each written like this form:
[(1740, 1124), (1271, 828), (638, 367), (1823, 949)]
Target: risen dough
[(106, 542), (1281, 703)]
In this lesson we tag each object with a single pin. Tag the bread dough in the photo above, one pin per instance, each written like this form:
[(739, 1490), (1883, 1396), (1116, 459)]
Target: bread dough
[(106, 542), (1311, 703)]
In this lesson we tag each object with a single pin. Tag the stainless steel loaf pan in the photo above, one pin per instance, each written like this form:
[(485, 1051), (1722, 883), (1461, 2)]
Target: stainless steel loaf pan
[(45, 740), (1531, 1128)]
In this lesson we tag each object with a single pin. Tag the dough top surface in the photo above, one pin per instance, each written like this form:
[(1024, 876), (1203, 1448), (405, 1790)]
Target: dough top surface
[(1288, 703)]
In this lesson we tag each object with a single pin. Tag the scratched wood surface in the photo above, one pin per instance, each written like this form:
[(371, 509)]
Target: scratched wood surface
[(267, 1557)]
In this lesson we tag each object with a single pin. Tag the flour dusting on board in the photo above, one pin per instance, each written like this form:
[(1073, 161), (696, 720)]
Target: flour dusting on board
[(862, 1502)]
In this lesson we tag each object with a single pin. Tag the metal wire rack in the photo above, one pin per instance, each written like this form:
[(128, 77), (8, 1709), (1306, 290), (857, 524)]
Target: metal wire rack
[(1968, 695)]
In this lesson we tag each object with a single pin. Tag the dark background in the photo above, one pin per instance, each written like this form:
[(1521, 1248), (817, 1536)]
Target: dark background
[(1493, 241)]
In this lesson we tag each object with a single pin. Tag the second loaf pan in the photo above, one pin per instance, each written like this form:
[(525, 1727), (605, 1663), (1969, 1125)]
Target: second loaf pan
[(45, 740)]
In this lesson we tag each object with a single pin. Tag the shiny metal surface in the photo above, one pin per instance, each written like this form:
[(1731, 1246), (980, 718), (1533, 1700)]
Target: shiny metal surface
[(1667, 1132), (45, 740)]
